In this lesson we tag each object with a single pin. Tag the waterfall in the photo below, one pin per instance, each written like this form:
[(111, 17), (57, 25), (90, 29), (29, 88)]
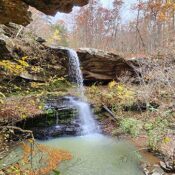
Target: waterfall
[(88, 124), (75, 73), (85, 114)]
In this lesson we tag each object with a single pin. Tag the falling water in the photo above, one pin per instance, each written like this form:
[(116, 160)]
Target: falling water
[(75, 72), (88, 124), (86, 117), (57, 119)]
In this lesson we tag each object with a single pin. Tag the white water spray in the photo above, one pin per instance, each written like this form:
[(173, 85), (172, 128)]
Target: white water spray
[(75, 72), (88, 123)]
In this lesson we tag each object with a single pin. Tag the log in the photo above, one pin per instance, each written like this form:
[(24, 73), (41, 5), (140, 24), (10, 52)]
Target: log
[(113, 116)]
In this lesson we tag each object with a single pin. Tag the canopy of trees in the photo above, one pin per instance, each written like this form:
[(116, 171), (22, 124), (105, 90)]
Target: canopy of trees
[(152, 28)]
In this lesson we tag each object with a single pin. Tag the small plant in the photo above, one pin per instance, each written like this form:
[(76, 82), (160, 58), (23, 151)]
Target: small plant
[(56, 172), (156, 131), (14, 67), (112, 84), (131, 126), (114, 95), (50, 111), (121, 93)]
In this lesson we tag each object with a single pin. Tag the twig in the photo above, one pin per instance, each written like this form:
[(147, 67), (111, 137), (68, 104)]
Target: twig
[(19, 129), (19, 31)]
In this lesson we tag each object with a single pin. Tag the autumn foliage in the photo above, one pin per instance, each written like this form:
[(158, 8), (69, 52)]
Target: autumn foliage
[(37, 159), (49, 160), (18, 109), (148, 27)]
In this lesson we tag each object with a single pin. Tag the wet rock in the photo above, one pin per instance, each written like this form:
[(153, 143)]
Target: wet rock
[(61, 119), (56, 131)]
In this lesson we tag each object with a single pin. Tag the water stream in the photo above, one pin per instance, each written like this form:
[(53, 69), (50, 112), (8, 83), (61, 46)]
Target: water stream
[(93, 153), (88, 123), (75, 73)]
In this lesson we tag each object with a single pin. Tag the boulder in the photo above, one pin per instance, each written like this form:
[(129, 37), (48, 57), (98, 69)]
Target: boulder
[(17, 10), (98, 65)]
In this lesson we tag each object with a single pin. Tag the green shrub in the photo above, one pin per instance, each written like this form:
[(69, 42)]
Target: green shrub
[(155, 132), (131, 126)]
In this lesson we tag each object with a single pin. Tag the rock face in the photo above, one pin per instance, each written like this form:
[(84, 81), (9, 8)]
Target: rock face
[(96, 65), (99, 65), (61, 119), (12, 49), (17, 10), (50, 7), (14, 11)]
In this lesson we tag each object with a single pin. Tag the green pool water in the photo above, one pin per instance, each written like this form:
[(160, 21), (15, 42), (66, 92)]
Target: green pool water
[(97, 155)]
